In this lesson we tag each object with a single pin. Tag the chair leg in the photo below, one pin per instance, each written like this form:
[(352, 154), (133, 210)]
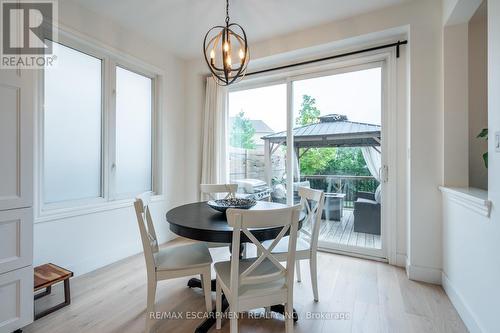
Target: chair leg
[(297, 263), (289, 317), (206, 284), (314, 276), (150, 304), (233, 321), (218, 305)]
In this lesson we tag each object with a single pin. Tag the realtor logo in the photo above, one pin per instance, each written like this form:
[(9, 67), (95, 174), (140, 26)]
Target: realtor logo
[(27, 33)]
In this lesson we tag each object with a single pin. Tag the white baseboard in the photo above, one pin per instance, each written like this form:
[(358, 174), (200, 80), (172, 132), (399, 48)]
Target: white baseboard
[(460, 305), (400, 260), (423, 274)]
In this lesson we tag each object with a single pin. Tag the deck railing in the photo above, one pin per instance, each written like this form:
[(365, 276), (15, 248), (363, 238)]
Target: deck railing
[(347, 185)]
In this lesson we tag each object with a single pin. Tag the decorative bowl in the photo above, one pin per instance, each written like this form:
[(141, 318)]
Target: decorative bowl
[(222, 205)]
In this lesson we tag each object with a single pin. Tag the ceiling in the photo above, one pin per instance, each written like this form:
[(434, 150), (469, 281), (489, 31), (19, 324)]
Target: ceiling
[(180, 25)]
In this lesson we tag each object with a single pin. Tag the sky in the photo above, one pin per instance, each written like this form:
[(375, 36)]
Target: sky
[(357, 95)]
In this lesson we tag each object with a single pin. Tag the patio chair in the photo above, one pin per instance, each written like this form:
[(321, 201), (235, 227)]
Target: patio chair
[(367, 213)]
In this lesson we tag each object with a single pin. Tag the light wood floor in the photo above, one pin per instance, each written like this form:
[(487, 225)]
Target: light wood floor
[(342, 233), (374, 296)]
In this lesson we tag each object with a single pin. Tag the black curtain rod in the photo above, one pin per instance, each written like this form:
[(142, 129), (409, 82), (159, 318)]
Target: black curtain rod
[(396, 45)]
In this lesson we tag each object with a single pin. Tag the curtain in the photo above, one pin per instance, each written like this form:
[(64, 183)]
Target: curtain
[(373, 161), (214, 158)]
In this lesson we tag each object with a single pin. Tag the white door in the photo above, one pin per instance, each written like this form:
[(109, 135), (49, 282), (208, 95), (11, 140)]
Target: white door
[(16, 138), (339, 129), (16, 198), (16, 299), (16, 239)]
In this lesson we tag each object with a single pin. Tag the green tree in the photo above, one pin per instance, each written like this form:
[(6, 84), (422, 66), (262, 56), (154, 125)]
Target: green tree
[(308, 113), (347, 161), (242, 132), (313, 160)]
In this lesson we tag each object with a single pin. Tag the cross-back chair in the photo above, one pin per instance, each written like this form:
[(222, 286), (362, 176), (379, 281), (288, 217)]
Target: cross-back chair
[(211, 190), (312, 202), (170, 261), (262, 281)]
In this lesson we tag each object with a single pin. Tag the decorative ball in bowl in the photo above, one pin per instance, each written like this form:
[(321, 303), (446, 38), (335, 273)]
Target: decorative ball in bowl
[(222, 205)]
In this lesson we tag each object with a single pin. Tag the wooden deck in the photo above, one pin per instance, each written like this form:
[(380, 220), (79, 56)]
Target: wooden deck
[(342, 233)]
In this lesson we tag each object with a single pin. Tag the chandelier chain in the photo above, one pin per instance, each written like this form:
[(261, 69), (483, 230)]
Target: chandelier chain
[(227, 12)]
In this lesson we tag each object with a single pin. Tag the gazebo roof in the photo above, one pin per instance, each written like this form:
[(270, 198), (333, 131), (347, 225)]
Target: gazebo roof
[(332, 130)]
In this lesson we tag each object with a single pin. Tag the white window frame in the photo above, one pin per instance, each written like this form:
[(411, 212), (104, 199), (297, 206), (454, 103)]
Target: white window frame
[(108, 200), (386, 59)]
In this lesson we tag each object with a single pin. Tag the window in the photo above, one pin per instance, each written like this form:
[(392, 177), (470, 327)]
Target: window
[(97, 129), (133, 132), (72, 127)]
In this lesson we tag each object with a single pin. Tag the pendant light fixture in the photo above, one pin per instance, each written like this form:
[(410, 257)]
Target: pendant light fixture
[(226, 52)]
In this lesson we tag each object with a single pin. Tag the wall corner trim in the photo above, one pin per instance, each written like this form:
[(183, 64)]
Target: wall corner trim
[(471, 198)]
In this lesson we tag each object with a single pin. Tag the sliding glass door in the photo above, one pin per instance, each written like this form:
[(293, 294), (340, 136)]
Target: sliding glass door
[(322, 130), (337, 142)]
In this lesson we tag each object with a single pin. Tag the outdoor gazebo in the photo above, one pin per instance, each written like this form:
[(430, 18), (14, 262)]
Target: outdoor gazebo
[(336, 130), (332, 130)]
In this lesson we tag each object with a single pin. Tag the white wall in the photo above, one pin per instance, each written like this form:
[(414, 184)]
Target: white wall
[(469, 265), (86, 242), (454, 11), (455, 115), (478, 96), (422, 20), (490, 236), (471, 242)]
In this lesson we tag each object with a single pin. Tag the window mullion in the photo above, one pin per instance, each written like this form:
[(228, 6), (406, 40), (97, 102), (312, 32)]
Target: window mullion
[(290, 158), (111, 128)]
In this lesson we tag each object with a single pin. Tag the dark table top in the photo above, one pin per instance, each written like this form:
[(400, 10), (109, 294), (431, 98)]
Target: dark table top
[(200, 222)]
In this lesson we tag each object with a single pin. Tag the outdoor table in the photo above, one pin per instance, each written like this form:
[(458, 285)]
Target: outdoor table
[(334, 206)]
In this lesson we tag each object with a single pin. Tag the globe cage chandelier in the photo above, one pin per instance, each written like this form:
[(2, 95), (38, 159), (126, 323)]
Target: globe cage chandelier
[(222, 45)]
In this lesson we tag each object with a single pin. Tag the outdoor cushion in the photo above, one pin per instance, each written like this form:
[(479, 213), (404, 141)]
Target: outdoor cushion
[(367, 201)]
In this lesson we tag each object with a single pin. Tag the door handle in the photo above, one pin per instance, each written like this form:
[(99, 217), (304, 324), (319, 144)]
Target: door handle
[(384, 174)]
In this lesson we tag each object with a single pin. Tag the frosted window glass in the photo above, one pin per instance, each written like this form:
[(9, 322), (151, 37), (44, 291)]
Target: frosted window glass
[(133, 132), (72, 127)]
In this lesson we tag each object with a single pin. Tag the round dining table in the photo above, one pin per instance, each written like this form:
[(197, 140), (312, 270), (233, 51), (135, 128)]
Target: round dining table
[(198, 221)]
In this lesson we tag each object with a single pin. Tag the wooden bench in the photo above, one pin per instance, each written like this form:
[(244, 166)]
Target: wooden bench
[(45, 277)]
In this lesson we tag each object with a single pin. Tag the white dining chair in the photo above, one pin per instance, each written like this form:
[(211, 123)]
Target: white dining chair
[(307, 247), (170, 261), (262, 281), (212, 190)]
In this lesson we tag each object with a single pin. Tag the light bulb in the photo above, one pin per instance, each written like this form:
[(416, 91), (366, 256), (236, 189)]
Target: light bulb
[(226, 46), (212, 54), (228, 61), (241, 54)]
